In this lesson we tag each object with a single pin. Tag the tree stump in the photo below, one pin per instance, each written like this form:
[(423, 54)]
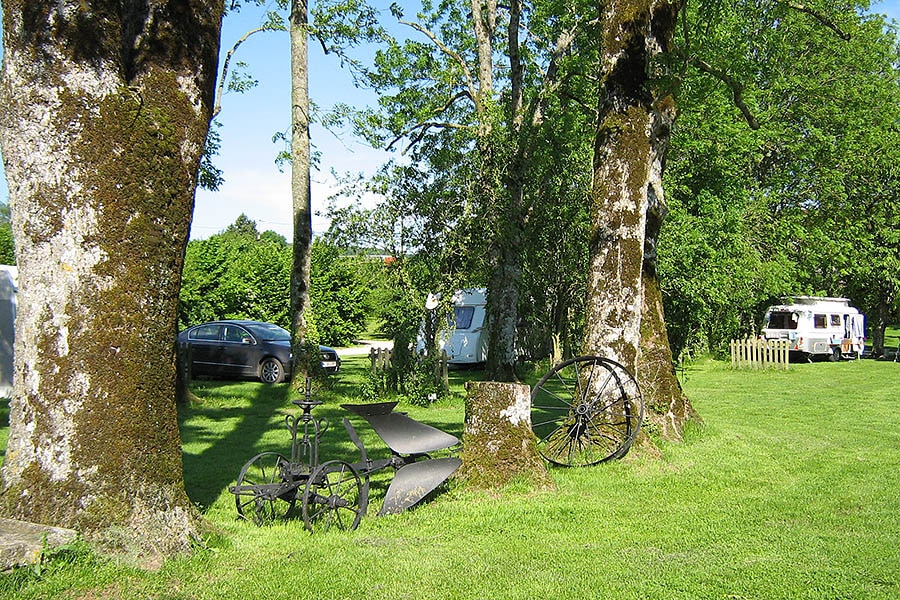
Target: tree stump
[(499, 446)]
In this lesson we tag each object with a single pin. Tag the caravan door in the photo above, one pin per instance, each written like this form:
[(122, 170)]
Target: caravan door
[(466, 344)]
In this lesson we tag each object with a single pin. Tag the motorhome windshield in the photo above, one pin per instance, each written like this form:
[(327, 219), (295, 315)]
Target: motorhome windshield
[(782, 320)]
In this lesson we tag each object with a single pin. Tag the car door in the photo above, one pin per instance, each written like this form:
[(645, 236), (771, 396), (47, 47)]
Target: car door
[(205, 348), (238, 356)]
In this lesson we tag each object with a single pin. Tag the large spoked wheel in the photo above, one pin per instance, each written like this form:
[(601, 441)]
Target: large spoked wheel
[(335, 496), (264, 492), (585, 411)]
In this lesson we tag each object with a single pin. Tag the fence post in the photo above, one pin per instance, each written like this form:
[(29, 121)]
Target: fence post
[(380, 358), (445, 377)]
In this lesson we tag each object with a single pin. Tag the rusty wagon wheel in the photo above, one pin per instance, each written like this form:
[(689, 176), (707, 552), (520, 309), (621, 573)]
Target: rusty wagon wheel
[(264, 491), (334, 496), (585, 411)]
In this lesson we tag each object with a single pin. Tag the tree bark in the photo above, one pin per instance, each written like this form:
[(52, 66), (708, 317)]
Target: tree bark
[(667, 406), (625, 319), (106, 107), (503, 300), (300, 192), (625, 152), (499, 446)]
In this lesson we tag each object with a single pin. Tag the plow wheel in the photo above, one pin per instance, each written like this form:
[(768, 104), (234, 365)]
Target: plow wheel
[(585, 411), (263, 492), (335, 496)]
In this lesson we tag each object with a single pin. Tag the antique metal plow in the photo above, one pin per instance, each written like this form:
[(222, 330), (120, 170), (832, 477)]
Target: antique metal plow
[(335, 493)]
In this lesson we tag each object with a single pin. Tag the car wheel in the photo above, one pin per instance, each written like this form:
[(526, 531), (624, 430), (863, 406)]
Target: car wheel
[(271, 371)]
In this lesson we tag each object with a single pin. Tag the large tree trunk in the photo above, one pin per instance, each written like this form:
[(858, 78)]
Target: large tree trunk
[(300, 191), (668, 408), (105, 111), (632, 136)]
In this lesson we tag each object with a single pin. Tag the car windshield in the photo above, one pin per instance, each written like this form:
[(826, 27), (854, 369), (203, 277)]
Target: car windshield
[(271, 333)]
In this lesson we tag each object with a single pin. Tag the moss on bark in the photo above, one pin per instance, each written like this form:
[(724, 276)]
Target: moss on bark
[(102, 173), (499, 446)]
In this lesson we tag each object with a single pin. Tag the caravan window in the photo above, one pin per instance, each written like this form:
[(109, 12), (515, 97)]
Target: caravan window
[(836, 320), (820, 321), (463, 316), (782, 320)]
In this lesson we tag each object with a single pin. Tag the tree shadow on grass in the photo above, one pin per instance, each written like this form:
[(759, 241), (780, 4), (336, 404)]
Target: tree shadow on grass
[(237, 420), (226, 427)]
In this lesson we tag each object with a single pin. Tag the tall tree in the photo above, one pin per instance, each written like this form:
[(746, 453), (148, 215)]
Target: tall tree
[(624, 313), (446, 88), (106, 109), (329, 29), (300, 186)]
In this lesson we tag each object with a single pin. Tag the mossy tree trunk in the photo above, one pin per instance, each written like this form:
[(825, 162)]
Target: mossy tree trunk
[(106, 108), (668, 408), (634, 33), (624, 307), (499, 446)]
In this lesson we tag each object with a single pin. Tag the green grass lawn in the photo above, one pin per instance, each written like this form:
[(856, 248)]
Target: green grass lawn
[(790, 489)]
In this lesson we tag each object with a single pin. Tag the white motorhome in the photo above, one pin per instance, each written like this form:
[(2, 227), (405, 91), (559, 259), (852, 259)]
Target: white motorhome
[(462, 338), (817, 326)]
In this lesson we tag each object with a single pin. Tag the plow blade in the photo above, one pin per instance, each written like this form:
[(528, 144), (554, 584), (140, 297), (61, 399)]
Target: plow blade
[(403, 435), (415, 481)]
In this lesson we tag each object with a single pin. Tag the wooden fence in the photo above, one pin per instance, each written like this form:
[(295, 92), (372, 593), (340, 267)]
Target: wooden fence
[(380, 358), (754, 353)]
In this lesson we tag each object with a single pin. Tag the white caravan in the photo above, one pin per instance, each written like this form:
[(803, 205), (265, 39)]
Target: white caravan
[(817, 326), (462, 338)]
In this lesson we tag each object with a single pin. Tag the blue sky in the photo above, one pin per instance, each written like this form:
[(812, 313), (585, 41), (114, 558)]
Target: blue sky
[(253, 183)]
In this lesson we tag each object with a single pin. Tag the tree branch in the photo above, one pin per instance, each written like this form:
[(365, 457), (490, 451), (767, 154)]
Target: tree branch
[(443, 48), (421, 129), (737, 89), (551, 76), (821, 18), (220, 88)]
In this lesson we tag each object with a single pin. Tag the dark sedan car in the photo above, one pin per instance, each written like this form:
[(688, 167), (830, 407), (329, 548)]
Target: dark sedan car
[(246, 349)]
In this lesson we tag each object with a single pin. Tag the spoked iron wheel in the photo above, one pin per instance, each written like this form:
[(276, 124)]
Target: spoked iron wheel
[(335, 496), (263, 492), (585, 411)]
